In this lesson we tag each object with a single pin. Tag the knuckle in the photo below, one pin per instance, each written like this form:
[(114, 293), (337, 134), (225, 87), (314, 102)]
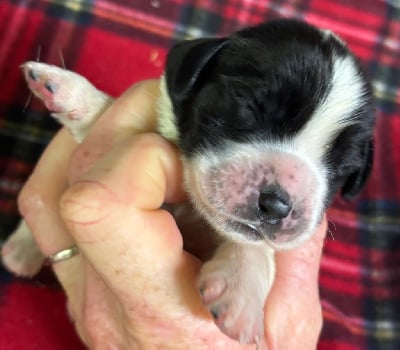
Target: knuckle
[(32, 200), (85, 202)]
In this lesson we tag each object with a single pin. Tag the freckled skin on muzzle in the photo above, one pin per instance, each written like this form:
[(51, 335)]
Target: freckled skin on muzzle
[(258, 195)]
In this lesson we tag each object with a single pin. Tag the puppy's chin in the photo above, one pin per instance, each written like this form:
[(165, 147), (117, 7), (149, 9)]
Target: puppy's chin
[(257, 194)]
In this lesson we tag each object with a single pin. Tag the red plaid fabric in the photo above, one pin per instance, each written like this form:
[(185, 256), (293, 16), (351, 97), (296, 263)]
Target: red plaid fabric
[(115, 43)]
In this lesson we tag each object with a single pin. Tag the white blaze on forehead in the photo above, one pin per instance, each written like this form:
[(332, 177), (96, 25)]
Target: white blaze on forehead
[(335, 110)]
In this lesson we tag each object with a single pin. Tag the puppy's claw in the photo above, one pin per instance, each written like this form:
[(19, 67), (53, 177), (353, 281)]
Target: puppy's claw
[(214, 313), (50, 87), (230, 308), (32, 74)]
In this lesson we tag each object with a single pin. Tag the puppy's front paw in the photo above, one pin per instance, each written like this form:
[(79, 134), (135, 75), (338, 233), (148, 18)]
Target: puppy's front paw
[(238, 316), (20, 253), (234, 285), (71, 98), (52, 85)]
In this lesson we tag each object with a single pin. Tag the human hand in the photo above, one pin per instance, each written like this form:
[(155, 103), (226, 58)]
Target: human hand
[(133, 286)]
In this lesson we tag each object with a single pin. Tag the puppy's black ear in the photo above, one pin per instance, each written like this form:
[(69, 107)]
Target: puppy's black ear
[(356, 180), (186, 63)]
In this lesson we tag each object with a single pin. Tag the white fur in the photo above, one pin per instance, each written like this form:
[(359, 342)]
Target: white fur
[(166, 118), (333, 113), (76, 103), (20, 253), (328, 33)]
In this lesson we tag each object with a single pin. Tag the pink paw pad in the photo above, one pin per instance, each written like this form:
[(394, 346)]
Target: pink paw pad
[(212, 289), (42, 85), (72, 100)]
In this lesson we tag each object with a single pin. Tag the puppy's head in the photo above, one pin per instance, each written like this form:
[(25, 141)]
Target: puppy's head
[(271, 122)]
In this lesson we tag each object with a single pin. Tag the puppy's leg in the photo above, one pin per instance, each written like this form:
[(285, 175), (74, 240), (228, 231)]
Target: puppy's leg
[(20, 253), (75, 103), (234, 285), (70, 98)]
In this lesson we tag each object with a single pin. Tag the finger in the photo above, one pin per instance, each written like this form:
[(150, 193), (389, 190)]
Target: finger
[(293, 310), (40, 197), (134, 112), (38, 203), (115, 219), (38, 200)]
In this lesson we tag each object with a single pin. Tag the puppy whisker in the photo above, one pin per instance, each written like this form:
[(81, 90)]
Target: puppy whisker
[(334, 228), (331, 234), (61, 58), (38, 53), (27, 103), (29, 99)]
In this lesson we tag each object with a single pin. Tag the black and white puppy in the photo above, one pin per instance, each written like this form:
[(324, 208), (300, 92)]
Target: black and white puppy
[(271, 122)]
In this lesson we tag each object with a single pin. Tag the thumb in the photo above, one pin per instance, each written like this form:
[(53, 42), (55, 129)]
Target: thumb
[(113, 212), (293, 310)]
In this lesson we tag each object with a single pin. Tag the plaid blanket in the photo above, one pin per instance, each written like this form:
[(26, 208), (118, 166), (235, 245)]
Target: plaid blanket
[(115, 43)]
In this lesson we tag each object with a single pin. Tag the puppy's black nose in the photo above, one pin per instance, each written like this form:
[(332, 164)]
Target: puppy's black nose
[(274, 204)]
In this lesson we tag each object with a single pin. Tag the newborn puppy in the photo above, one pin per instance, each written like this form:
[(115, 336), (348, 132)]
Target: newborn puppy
[(271, 122)]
